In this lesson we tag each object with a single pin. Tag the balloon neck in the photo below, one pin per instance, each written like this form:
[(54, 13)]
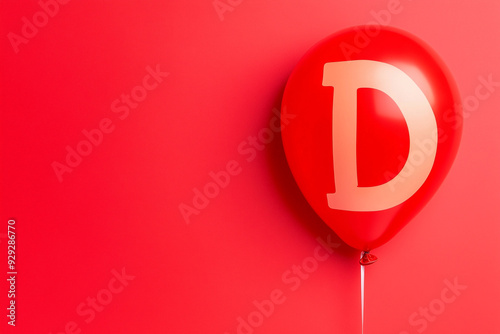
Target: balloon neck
[(367, 258)]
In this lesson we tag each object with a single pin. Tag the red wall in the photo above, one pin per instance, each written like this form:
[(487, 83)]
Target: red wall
[(179, 92)]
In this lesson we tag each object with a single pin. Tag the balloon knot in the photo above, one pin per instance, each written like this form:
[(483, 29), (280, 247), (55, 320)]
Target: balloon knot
[(367, 259)]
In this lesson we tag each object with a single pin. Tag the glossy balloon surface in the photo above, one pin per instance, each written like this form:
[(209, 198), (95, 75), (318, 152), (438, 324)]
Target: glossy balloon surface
[(383, 133)]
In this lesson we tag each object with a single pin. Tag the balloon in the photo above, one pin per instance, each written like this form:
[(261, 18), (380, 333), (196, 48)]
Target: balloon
[(377, 127)]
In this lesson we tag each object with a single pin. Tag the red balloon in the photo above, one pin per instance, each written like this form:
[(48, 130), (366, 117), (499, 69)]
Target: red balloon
[(377, 127)]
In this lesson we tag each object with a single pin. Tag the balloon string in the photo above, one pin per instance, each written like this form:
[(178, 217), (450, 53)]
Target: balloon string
[(362, 296)]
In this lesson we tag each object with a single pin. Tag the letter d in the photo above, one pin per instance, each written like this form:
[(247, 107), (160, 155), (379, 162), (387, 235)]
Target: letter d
[(51, 7), (28, 29), (200, 201), (419, 117), (222, 178), (72, 158), (266, 307), (243, 327), (94, 136)]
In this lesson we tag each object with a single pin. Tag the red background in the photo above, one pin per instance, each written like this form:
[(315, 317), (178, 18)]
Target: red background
[(119, 208)]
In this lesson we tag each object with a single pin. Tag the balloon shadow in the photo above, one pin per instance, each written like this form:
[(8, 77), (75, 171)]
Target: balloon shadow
[(293, 197), (346, 257)]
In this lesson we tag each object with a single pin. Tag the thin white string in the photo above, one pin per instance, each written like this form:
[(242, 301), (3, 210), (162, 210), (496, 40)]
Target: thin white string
[(362, 296)]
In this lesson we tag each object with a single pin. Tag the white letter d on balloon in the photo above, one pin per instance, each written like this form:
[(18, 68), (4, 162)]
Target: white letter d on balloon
[(416, 111)]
